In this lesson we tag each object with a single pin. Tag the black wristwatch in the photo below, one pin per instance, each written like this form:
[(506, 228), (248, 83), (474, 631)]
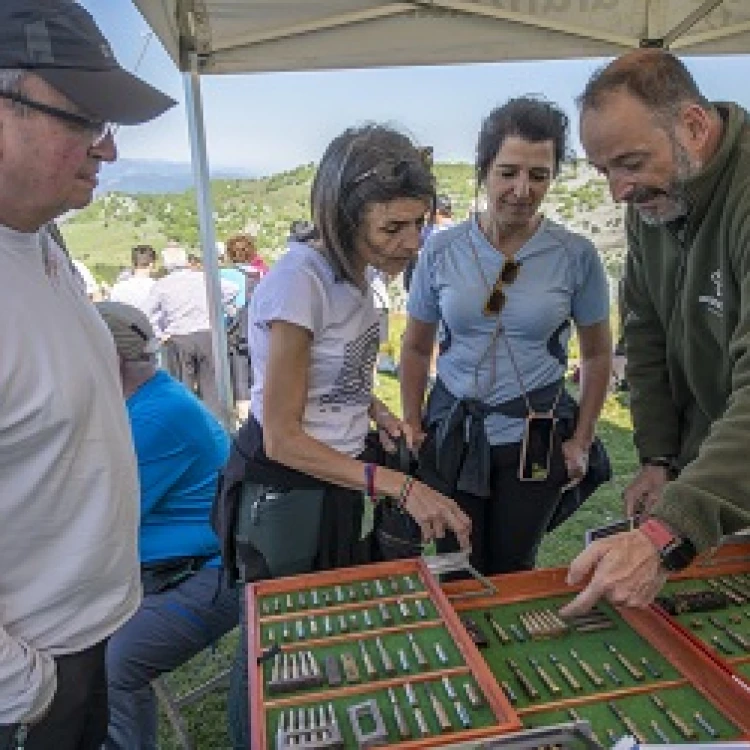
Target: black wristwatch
[(667, 462), (676, 552)]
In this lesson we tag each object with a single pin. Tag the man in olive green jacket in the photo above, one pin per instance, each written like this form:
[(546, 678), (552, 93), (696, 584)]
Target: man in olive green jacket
[(683, 166)]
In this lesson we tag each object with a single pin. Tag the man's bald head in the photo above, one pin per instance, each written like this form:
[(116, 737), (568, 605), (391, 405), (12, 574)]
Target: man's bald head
[(658, 79)]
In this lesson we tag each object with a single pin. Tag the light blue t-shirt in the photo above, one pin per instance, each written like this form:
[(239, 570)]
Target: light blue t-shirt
[(561, 277), (236, 277), (180, 448)]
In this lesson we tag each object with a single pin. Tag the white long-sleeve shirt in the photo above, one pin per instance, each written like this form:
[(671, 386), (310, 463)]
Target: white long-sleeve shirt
[(132, 291), (178, 304), (69, 572)]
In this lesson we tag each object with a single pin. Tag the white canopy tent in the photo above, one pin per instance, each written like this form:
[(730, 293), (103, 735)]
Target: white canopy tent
[(251, 36)]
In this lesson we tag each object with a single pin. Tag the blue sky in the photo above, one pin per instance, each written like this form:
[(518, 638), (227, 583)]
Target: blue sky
[(265, 123)]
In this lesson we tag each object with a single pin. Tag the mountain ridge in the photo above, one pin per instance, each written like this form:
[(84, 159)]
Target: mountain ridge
[(147, 176), (102, 234)]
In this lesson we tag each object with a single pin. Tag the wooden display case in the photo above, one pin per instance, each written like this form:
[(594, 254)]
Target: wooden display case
[(323, 614), (689, 679)]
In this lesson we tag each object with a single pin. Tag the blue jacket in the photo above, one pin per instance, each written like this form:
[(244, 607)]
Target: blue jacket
[(180, 448)]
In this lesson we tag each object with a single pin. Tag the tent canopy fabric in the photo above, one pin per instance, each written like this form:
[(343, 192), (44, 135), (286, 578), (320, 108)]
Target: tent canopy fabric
[(245, 36)]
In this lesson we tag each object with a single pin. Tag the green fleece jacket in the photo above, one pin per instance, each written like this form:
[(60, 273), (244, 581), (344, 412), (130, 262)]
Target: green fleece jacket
[(687, 332)]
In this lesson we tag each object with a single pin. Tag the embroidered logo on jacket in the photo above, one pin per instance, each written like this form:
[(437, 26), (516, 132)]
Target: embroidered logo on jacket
[(715, 303)]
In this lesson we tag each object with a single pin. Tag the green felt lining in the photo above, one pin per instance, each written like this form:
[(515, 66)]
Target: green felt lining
[(355, 621), (697, 622), (426, 638), (683, 700), (480, 717), (399, 590), (590, 647)]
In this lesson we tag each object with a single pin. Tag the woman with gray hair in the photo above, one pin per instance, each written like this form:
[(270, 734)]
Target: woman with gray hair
[(313, 341)]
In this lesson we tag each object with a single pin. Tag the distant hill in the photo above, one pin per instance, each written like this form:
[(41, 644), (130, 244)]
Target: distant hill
[(142, 176), (103, 233)]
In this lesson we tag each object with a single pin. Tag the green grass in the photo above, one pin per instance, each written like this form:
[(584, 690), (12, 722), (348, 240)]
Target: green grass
[(207, 720)]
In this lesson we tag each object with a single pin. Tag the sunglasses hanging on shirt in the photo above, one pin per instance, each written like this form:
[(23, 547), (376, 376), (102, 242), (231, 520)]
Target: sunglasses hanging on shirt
[(537, 443), (496, 298)]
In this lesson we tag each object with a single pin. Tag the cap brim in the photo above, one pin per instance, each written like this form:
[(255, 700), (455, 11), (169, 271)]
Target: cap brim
[(110, 95)]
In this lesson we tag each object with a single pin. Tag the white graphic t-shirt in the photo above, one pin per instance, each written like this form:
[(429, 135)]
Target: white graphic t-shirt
[(301, 289)]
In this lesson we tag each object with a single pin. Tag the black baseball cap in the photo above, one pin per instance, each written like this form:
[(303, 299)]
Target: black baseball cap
[(59, 41)]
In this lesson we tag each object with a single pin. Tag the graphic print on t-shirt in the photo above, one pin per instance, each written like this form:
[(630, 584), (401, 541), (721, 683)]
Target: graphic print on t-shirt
[(353, 384)]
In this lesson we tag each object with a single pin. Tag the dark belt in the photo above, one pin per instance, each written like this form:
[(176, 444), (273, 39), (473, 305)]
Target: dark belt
[(163, 575)]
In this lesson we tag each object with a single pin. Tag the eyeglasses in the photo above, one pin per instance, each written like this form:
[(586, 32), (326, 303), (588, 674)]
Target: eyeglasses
[(387, 172), (393, 171), (496, 300), (97, 129)]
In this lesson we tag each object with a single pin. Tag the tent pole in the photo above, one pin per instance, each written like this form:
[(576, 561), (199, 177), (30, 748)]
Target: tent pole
[(197, 131)]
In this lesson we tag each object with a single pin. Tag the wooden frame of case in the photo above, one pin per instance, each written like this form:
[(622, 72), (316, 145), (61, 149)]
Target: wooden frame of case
[(715, 680), (506, 716)]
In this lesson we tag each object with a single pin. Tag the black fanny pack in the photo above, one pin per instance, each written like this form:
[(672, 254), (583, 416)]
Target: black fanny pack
[(158, 577)]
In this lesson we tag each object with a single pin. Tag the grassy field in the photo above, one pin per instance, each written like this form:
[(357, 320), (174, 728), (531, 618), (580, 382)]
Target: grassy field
[(207, 720)]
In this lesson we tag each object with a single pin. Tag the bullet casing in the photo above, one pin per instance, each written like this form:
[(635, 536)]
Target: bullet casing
[(627, 665), (627, 722), (659, 732), (403, 728), (441, 714), (450, 691), (472, 694), (525, 683), (440, 653), (611, 673), (500, 633), (385, 613), (587, 669), (463, 714), (403, 660), (549, 683), (385, 657), (351, 671), (683, 728), (372, 673), (707, 728), (509, 692), (567, 675), (411, 696), (424, 729), (422, 662)]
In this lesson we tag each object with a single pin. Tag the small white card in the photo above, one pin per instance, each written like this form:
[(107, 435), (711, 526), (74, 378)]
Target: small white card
[(616, 527)]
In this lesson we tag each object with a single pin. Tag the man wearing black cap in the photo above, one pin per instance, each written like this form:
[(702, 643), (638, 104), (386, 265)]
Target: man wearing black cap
[(68, 480)]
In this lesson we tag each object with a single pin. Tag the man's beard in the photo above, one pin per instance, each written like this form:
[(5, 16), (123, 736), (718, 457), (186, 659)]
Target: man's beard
[(675, 200)]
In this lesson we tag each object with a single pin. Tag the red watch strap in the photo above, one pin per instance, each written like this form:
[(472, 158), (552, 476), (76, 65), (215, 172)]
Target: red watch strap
[(659, 533)]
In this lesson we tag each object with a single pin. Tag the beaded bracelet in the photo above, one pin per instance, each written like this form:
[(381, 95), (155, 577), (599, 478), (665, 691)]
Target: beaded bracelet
[(370, 483), (403, 495)]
